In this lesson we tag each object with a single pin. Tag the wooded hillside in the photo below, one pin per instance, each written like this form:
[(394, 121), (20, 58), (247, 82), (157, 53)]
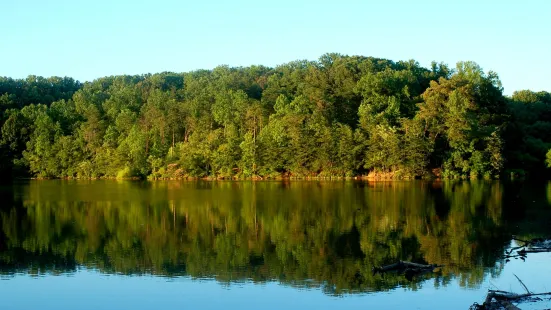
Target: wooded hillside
[(338, 116)]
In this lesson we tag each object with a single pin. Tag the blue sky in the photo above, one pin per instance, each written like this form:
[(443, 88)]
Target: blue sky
[(91, 39)]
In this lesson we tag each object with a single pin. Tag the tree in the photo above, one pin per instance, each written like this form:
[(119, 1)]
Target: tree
[(462, 118), (339, 115)]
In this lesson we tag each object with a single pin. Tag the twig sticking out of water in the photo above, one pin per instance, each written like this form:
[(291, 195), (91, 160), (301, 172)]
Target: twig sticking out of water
[(519, 280)]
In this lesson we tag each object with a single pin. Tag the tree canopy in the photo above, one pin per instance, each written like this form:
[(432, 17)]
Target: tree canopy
[(334, 117)]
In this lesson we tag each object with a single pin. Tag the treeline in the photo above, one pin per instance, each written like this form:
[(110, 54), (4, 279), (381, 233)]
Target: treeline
[(338, 116)]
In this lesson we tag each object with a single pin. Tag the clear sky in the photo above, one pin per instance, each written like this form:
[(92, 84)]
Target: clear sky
[(95, 38)]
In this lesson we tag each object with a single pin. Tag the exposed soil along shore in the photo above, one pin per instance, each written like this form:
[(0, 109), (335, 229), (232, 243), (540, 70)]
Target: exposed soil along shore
[(235, 178), (373, 176)]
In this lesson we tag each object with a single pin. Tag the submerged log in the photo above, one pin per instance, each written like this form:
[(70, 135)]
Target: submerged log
[(408, 268), (497, 300), (402, 265)]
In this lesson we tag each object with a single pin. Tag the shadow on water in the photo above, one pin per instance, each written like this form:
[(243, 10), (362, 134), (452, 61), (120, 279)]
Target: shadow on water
[(320, 234)]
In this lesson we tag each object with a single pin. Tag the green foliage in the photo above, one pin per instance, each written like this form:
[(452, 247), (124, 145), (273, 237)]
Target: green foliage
[(528, 134), (334, 117), (249, 158), (463, 117)]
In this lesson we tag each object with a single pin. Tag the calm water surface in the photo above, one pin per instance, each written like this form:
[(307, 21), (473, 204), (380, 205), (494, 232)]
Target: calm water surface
[(270, 245)]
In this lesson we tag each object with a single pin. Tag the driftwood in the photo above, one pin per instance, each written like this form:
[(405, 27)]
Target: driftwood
[(408, 268), (496, 299), (504, 300), (534, 250), (536, 245)]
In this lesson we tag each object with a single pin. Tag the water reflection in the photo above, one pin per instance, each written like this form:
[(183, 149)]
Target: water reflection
[(305, 234)]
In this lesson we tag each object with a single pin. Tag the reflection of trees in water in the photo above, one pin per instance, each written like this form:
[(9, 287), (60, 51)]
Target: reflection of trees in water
[(303, 233)]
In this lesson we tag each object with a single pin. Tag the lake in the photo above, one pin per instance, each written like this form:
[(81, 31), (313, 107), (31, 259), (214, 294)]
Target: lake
[(266, 244)]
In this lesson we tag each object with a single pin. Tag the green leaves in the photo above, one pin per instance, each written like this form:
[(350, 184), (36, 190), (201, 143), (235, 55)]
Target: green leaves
[(462, 116), (528, 131), (340, 115), (383, 149), (249, 158)]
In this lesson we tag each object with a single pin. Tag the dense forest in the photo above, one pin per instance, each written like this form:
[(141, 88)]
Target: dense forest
[(335, 117)]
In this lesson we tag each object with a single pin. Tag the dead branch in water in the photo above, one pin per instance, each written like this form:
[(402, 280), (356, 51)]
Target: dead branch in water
[(408, 268), (536, 245), (534, 250), (404, 265), (504, 300), (522, 283), (496, 299)]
